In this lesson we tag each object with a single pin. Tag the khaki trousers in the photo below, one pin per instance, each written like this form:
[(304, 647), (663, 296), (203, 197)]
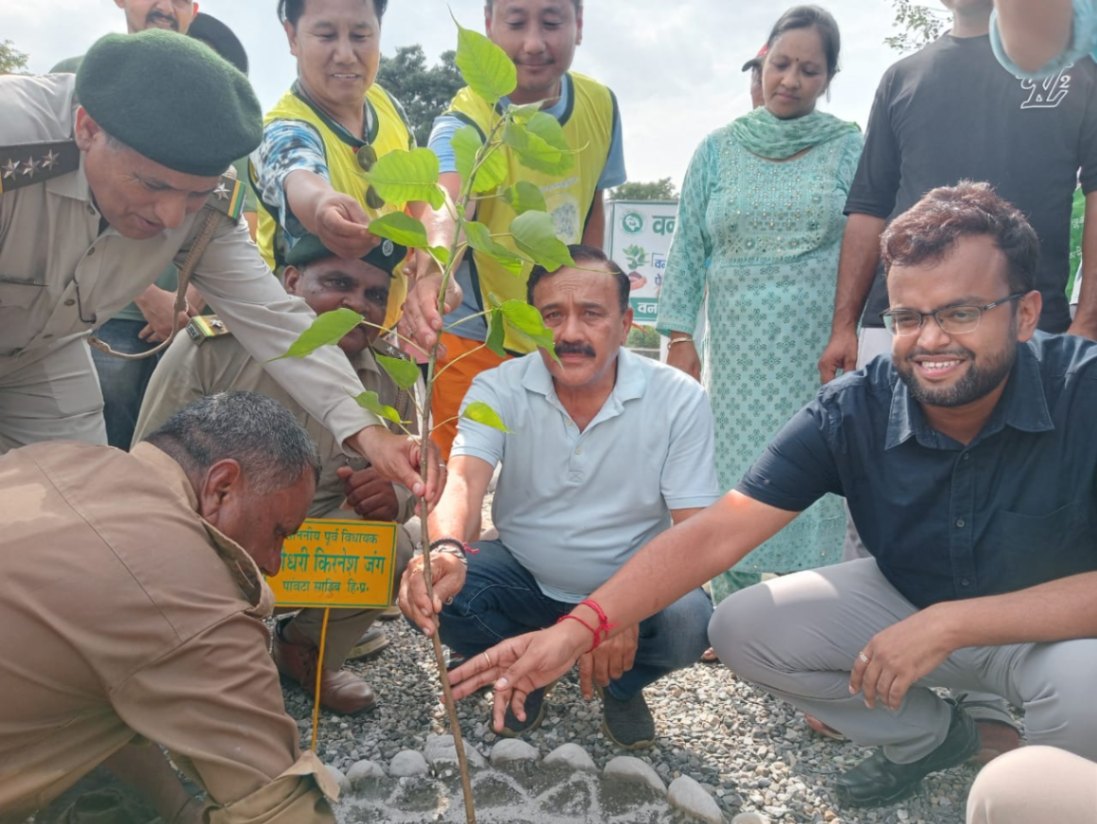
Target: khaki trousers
[(54, 397), (1035, 784)]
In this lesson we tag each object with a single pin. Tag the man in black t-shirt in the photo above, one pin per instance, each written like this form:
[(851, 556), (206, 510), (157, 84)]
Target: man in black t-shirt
[(950, 112)]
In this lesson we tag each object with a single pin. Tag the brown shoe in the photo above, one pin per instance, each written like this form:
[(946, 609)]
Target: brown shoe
[(341, 691)]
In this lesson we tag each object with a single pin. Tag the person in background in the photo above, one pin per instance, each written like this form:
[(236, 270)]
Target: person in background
[(759, 226), (207, 363), (540, 36), (757, 98), (323, 135)]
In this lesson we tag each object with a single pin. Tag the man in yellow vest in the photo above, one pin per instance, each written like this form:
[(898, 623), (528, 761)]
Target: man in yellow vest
[(331, 125), (540, 36)]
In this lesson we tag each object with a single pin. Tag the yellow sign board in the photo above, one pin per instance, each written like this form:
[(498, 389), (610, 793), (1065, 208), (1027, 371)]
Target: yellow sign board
[(332, 563)]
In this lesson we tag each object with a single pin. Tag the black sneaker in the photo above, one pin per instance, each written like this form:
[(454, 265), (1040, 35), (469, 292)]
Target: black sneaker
[(535, 714), (628, 723), (877, 781)]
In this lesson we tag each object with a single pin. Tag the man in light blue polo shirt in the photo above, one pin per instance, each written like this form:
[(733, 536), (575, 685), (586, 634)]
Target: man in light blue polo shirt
[(605, 450)]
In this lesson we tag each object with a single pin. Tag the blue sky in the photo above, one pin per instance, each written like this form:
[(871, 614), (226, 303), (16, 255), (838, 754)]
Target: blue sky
[(675, 66)]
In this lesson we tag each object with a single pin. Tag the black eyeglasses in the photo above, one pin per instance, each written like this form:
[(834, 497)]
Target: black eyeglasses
[(367, 156), (953, 320)]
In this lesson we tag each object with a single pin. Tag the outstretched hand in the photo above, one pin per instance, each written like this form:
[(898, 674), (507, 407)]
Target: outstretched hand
[(519, 665)]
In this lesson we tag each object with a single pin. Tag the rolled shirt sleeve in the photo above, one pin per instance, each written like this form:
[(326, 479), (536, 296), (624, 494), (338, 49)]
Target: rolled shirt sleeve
[(237, 739)]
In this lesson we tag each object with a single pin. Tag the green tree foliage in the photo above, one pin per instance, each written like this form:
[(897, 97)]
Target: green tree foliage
[(425, 91), (12, 61), (917, 24), (662, 189)]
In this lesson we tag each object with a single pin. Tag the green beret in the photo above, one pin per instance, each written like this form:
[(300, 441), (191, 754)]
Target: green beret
[(219, 37), (386, 255), (171, 99)]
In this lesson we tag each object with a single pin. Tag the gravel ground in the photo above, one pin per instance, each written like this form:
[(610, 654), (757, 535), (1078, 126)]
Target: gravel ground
[(750, 751)]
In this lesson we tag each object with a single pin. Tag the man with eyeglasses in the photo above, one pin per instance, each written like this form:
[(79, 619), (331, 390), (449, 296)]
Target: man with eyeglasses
[(968, 460)]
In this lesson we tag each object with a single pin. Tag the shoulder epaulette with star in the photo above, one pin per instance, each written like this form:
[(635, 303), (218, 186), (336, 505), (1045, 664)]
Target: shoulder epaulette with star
[(228, 197), (30, 163)]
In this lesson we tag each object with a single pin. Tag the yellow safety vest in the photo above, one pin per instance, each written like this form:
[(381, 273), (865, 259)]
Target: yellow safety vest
[(588, 127), (389, 132)]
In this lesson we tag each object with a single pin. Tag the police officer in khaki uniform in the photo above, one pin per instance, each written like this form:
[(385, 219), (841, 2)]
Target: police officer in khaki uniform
[(132, 606), (99, 197), (209, 359)]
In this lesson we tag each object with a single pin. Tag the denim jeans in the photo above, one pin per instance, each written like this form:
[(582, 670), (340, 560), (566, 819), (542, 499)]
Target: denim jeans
[(500, 599), (123, 382)]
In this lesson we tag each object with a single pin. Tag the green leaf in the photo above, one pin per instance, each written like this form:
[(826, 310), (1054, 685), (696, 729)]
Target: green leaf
[(540, 144), (440, 254), (403, 372), (400, 228), (493, 165), (527, 320), (482, 413), (479, 238), (466, 143), (524, 196), (370, 401), (402, 176), (497, 332), (535, 235), (326, 330), (484, 66)]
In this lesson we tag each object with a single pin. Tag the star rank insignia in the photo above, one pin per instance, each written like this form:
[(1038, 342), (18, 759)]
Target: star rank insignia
[(227, 198), (31, 163)]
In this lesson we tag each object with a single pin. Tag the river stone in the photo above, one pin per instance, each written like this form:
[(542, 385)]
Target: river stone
[(440, 749), (362, 770), (631, 768), (690, 797), (509, 750), (750, 818), (408, 762), (572, 755)]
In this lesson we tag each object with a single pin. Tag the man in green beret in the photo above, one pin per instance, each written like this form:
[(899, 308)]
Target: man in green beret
[(151, 318), (209, 360), (96, 198)]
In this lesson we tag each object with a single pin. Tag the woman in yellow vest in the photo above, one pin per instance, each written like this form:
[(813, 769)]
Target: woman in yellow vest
[(332, 122)]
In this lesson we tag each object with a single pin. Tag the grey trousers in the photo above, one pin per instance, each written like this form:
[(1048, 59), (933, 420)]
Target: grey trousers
[(797, 637)]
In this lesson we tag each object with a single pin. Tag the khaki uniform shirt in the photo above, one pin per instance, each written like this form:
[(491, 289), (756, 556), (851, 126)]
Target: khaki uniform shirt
[(189, 371), (124, 614), (61, 277)]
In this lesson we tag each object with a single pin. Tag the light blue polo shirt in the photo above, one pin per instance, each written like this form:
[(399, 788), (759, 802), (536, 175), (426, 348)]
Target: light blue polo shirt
[(573, 506)]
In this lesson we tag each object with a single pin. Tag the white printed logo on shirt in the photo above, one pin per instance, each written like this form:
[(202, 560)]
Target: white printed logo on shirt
[(1047, 92)]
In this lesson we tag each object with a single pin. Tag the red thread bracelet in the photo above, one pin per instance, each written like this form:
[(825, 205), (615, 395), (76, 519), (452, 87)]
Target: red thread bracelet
[(590, 629), (604, 626)]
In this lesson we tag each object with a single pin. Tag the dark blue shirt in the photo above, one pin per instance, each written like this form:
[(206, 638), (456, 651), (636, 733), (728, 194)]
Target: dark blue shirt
[(1012, 509)]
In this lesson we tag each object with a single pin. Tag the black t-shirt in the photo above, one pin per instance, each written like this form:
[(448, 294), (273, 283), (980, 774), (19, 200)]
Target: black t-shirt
[(950, 112)]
